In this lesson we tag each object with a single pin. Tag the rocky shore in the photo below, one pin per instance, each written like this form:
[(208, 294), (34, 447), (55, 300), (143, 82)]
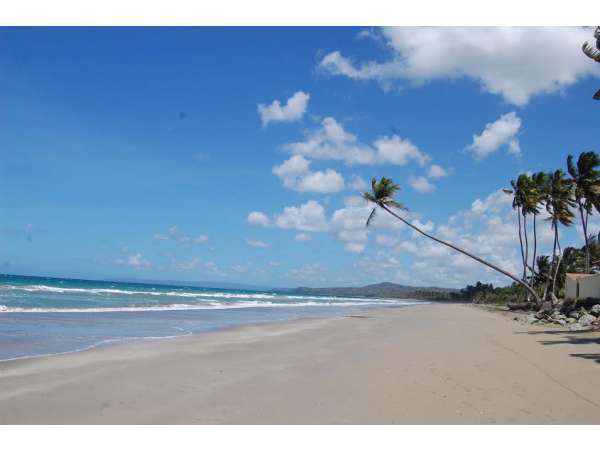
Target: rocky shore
[(567, 314)]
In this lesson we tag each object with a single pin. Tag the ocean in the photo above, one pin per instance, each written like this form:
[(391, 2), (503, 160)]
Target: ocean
[(45, 316)]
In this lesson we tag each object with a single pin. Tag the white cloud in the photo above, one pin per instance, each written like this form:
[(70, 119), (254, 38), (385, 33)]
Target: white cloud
[(302, 237), (296, 175), (395, 150), (497, 134), (136, 261), (514, 147), (513, 62), (174, 234), (436, 171), (293, 110), (329, 181), (357, 183), (385, 240), (331, 141), (406, 246), (308, 217), (258, 218), (349, 223), (257, 243), (355, 247), (421, 184)]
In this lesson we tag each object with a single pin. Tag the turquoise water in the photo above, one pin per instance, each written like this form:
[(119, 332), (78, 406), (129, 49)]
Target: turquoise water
[(43, 316)]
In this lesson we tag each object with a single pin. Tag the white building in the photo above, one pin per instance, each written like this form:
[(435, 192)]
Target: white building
[(582, 285)]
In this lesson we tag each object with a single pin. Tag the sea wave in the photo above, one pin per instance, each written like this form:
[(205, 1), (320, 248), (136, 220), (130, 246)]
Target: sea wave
[(184, 294), (204, 306)]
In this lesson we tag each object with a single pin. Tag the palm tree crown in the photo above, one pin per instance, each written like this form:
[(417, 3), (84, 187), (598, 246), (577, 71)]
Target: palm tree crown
[(382, 194), (560, 199), (585, 178)]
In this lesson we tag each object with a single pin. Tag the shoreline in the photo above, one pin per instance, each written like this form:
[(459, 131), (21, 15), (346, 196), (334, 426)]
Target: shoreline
[(185, 333), (435, 363)]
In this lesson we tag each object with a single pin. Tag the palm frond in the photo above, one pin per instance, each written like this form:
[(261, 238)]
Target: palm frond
[(591, 52), (371, 216)]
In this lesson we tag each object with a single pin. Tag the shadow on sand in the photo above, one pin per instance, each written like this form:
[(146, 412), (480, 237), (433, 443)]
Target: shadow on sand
[(571, 338)]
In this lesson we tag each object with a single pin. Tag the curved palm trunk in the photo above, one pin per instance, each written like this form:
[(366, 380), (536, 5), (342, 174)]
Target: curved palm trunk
[(533, 262), (585, 237), (551, 269), (560, 255), (526, 247), (521, 242), (464, 252)]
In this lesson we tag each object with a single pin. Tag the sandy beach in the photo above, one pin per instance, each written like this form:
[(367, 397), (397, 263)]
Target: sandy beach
[(430, 364)]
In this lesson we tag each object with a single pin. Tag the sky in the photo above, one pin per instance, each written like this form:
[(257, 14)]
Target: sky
[(239, 154)]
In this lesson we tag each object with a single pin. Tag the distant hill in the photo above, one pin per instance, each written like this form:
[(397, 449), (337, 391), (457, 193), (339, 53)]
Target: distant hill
[(387, 290)]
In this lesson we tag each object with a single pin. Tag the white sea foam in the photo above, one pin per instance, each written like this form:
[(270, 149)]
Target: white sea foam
[(206, 306), (184, 294)]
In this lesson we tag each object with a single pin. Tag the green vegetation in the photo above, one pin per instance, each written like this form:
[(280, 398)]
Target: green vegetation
[(383, 290)]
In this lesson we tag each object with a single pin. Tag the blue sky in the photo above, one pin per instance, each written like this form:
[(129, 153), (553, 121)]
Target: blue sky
[(143, 153)]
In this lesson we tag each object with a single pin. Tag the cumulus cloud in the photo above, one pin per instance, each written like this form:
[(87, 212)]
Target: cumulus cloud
[(293, 110), (421, 184), (257, 243), (492, 56), (307, 217), (348, 224), (258, 218), (137, 261), (173, 234), (501, 133), (395, 150), (330, 141), (436, 171), (296, 175)]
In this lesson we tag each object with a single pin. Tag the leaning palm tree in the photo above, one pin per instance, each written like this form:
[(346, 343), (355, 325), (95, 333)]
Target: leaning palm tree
[(382, 194), (558, 205), (585, 178)]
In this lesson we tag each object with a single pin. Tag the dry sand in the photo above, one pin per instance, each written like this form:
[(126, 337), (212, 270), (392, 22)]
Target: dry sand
[(430, 364)]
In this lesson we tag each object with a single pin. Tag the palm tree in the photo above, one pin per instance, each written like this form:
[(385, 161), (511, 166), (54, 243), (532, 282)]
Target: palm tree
[(543, 270), (585, 178), (526, 192), (382, 194), (536, 195), (594, 54), (558, 203), (518, 193)]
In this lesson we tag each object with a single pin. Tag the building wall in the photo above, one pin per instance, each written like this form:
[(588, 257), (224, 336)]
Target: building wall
[(589, 287), (570, 288)]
